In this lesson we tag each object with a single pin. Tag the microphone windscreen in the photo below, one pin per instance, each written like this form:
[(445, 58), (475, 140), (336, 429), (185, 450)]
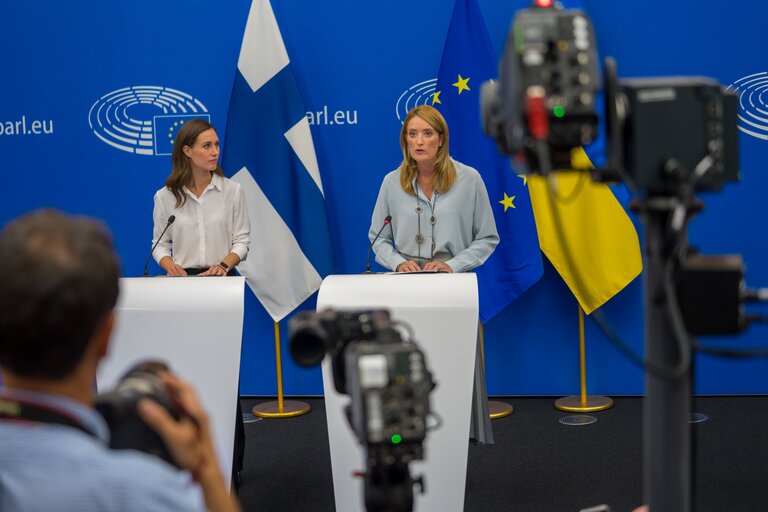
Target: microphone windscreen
[(171, 219)]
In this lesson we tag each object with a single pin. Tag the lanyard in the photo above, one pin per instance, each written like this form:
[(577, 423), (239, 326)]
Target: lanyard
[(12, 409)]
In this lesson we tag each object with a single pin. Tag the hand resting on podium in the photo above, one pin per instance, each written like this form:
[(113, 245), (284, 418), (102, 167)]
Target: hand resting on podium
[(434, 266)]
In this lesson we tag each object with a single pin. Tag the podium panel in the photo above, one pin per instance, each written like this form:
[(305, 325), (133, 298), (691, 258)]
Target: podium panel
[(443, 311), (195, 325)]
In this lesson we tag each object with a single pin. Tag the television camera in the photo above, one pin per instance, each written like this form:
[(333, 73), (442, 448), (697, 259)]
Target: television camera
[(666, 138), (388, 382)]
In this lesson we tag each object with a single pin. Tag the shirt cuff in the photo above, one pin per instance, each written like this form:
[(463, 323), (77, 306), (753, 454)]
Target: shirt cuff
[(454, 265), (160, 253), (397, 261), (241, 250)]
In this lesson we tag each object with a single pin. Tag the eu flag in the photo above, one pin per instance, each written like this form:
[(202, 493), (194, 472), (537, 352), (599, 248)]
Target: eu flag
[(166, 127), (269, 151), (468, 61)]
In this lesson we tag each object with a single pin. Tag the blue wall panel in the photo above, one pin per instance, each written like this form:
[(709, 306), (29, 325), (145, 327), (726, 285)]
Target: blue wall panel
[(357, 59)]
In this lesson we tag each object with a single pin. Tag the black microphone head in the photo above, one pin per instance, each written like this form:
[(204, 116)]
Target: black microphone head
[(171, 219), (388, 219)]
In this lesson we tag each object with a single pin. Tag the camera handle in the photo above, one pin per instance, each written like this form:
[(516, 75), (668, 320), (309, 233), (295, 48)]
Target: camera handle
[(389, 487)]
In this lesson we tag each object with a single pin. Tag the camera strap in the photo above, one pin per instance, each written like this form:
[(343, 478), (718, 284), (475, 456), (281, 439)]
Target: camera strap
[(12, 409)]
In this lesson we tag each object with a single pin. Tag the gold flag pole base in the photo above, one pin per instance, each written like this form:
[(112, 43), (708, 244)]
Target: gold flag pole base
[(583, 402), (290, 409), (498, 409), (591, 403), (280, 408)]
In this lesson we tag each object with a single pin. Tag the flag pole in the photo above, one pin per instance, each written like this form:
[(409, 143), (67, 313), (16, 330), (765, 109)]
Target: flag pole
[(496, 409), (280, 408), (583, 402)]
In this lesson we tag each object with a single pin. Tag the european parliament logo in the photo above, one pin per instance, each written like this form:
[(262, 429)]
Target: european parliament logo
[(423, 93), (143, 119), (753, 104)]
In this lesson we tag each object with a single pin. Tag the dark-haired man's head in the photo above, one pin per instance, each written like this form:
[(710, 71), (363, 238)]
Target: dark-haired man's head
[(58, 285)]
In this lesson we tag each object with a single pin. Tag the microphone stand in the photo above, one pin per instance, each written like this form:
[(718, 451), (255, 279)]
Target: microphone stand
[(368, 256), (146, 263)]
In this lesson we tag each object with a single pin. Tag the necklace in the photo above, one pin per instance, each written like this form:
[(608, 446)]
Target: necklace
[(432, 219)]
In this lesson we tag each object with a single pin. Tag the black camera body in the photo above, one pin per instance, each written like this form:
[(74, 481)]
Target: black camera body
[(549, 63), (664, 134), (118, 407), (392, 383), (677, 131), (388, 383), (386, 378)]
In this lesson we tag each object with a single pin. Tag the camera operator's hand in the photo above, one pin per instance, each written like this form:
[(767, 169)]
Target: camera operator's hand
[(189, 441)]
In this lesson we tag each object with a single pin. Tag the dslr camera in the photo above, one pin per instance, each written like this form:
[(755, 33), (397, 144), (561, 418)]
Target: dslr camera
[(118, 407), (388, 382)]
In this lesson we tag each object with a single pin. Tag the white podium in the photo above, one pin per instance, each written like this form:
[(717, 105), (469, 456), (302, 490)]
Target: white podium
[(195, 325), (443, 311)]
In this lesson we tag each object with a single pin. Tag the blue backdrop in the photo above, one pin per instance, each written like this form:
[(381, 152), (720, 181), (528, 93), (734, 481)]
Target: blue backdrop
[(68, 67)]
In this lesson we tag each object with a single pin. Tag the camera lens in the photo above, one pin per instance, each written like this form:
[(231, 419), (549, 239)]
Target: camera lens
[(308, 342)]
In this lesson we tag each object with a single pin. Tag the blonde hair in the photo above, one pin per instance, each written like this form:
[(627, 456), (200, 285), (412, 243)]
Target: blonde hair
[(181, 169), (445, 172)]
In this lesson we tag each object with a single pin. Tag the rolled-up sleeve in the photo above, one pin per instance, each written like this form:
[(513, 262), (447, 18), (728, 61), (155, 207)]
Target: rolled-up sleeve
[(241, 225)]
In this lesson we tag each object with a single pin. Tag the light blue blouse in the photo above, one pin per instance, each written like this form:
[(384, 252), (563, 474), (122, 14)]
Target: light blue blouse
[(463, 227)]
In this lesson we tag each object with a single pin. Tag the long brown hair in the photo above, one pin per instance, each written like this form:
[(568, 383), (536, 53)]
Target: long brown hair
[(181, 170), (445, 172)]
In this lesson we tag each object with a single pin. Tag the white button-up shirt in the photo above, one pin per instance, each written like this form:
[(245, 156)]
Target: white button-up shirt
[(206, 229)]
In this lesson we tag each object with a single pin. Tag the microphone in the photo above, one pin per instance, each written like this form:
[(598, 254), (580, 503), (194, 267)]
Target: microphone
[(368, 257), (170, 221)]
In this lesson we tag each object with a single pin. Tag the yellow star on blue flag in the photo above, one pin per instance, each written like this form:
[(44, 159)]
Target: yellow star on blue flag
[(461, 85), (507, 201)]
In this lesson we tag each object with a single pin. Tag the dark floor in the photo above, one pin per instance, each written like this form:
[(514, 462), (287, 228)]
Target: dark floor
[(537, 463)]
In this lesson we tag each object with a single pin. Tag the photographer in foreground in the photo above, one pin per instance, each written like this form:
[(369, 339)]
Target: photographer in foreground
[(58, 289)]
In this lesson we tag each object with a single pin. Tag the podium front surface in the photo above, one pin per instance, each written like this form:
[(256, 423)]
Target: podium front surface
[(193, 324), (442, 309)]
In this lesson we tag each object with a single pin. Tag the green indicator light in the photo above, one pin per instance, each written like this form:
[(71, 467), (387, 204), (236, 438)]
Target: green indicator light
[(558, 111), (396, 439)]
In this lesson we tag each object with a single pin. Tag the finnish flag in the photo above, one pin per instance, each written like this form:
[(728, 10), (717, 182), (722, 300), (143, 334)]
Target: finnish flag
[(269, 151)]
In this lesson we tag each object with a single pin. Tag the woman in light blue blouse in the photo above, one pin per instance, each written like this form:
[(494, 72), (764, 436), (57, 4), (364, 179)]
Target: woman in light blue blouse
[(441, 215), (441, 221)]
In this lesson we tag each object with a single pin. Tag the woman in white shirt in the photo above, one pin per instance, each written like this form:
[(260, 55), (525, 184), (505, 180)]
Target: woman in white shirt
[(211, 231)]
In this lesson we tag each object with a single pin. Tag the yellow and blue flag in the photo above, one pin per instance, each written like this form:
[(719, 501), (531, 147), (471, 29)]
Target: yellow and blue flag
[(603, 252), (469, 60)]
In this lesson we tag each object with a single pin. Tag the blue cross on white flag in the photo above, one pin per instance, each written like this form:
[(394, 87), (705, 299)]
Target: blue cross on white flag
[(269, 151)]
